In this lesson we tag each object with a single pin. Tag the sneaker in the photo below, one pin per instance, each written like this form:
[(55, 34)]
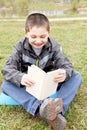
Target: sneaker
[(59, 123), (50, 108), (49, 111)]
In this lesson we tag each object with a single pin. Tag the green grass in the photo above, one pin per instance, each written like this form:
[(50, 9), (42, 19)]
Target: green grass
[(73, 38)]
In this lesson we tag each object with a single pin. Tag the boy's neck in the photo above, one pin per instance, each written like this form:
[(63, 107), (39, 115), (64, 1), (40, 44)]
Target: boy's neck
[(37, 50)]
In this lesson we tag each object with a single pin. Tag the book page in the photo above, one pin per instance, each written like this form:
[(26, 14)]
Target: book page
[(37, 75), (49, 86)]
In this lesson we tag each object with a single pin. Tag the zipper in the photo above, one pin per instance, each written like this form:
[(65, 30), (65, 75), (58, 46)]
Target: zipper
[(37, 62)]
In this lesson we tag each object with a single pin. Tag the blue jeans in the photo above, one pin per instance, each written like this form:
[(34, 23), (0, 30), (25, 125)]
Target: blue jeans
[(66, 91)]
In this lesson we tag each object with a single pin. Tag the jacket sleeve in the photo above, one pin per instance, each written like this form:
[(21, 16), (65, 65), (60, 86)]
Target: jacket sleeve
[(11, 70), (61, 61)]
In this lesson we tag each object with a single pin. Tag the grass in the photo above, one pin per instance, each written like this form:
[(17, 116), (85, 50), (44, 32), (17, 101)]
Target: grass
[(73, 38)]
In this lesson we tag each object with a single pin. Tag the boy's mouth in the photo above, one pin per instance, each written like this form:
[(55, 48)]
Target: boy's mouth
[(38, 44)]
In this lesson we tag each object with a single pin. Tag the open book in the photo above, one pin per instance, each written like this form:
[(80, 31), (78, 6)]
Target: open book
[(44, 85)]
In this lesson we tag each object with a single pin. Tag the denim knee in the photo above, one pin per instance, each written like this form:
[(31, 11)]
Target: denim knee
[(77, 76)]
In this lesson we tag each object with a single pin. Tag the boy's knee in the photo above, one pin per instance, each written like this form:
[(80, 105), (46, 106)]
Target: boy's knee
[(77, 76), (3, 86)]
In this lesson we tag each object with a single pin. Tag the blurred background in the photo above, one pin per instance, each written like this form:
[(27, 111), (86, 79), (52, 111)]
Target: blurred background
[(20, 8), (70, 34)]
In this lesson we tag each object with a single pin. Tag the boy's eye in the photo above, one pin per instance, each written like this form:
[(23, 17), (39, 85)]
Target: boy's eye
[(42, 36), (33, 36)]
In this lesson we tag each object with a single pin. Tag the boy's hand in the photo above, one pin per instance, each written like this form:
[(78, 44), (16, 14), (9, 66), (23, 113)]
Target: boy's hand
[(26, 81), (61, 76)]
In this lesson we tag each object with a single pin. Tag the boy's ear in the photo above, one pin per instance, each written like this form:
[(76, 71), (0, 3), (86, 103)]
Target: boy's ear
[(49, 32), (25, 33)]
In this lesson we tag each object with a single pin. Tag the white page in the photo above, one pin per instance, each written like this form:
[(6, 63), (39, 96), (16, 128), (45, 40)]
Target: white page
[(37, 75), (49, 85)]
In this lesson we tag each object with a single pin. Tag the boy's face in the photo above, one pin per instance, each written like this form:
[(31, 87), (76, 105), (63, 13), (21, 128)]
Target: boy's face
[(38, 36)]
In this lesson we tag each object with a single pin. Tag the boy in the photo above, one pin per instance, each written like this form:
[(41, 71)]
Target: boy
[(37, 47)]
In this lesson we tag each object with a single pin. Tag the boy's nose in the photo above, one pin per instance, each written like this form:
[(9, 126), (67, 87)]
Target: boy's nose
[(38, 40)]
